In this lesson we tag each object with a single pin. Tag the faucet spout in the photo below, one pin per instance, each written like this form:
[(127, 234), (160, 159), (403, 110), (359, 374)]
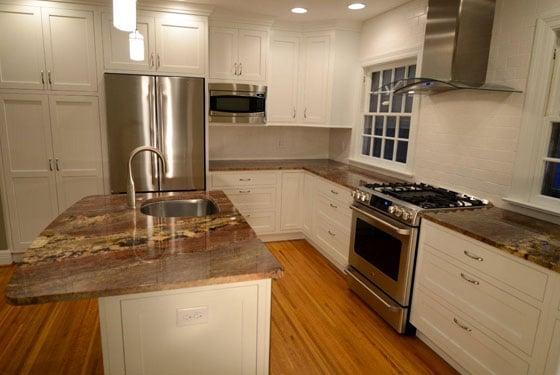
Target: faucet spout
[(130, 188)]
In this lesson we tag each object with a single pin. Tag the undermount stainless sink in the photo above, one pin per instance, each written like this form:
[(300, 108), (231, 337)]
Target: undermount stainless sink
[(180, 208)]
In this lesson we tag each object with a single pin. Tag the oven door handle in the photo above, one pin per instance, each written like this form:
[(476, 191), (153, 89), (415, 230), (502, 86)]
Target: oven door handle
[(395, 229)]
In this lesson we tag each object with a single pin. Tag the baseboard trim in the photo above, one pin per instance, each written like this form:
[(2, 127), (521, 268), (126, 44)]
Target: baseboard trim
[(273, 237), (440, 352), (5, 257)]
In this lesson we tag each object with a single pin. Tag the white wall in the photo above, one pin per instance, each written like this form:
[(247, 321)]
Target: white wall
[(468, 140), (238, 142)]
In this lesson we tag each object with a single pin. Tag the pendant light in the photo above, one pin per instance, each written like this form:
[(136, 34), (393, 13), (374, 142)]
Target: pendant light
[(124, 15), (136, 46)]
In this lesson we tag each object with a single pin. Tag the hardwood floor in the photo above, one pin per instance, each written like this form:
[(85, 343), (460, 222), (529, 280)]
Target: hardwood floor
[(318, 327)]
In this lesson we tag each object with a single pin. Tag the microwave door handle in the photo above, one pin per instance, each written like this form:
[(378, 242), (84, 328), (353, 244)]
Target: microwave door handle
[(391, 227)]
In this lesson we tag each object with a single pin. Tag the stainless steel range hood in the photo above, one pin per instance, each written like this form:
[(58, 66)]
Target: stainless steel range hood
[(456, 49)]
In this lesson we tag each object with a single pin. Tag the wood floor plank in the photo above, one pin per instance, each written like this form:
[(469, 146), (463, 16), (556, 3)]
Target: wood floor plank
[(318, 327)]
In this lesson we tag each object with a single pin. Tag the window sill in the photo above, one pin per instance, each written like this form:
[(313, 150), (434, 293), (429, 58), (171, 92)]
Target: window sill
[(398, 173), (531, 206)]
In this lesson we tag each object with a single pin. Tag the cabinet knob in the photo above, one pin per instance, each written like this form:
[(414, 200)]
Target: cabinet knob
[(294, 113)]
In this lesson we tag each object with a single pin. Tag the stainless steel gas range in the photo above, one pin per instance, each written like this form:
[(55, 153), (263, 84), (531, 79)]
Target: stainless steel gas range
[(385, 229)]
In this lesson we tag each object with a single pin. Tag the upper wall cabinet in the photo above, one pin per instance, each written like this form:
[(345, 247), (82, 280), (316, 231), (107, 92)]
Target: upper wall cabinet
[(238, 54), (43, 48), (174, 44), (313, 78)]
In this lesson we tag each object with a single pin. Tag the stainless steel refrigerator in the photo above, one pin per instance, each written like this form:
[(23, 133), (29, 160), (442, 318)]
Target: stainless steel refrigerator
[(163, 112)]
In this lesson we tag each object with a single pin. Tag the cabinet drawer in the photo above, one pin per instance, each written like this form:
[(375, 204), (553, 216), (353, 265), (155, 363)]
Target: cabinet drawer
[(337, 211), (461, 340), (475, 254), (262, 222), (252, 198), (507, 316), (332, 236), (334, 191), (225, 180)]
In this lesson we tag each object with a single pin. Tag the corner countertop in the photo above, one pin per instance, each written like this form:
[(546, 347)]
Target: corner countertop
[(100, 247), (535, 240), (334, 171)]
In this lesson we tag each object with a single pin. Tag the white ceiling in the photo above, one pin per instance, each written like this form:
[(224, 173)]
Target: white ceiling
[(318, 10)]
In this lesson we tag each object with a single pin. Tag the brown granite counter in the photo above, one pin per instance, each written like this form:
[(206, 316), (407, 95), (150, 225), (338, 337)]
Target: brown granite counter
[(334, 171), (523, 236), (101, 247)]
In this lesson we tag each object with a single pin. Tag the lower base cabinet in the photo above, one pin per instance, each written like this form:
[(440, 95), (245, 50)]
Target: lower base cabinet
[(298, 204), (471, 304)]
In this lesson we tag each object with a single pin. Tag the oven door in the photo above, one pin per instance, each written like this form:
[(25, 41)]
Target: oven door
[(237, 107), (383, 250)]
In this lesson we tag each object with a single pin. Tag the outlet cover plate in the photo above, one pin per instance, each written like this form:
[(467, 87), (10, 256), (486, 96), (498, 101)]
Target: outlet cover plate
[(192, 316)]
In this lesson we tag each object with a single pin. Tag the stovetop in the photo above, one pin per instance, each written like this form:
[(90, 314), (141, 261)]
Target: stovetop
[(404, 201)]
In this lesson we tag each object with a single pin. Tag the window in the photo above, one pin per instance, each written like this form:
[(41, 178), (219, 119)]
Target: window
[(551, 178), (387, 118)]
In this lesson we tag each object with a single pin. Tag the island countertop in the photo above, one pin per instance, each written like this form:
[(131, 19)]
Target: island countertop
[(334, 171), (101, 247), (534, 240)]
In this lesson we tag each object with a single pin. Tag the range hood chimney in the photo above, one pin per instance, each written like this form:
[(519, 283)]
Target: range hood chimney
[(456, 49)]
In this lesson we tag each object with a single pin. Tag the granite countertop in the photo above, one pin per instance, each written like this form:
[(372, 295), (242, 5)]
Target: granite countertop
[(334, 171), (534, 240), (101, 247)]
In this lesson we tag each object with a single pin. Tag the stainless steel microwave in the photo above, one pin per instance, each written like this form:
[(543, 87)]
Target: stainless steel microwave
[(236, 103)]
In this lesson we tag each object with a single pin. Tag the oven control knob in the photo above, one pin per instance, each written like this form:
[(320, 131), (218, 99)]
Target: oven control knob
[(398, 211), (354, 193), (391, 209), (406, 215)]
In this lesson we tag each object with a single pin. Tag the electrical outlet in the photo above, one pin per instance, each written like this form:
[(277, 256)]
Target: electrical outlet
[(191, 316)]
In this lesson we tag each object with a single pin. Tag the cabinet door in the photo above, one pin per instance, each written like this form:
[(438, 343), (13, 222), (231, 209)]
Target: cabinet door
[(70, 49), (180, 45), (223, 52), (253, 51), (316, 79), (116, 52), (25, 137), (77, 148), (22, 61), (290, 210), (553, 359), (283, 80), (308, 205)]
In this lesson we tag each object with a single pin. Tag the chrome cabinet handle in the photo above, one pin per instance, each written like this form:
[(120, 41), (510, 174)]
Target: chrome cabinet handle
[(294, 113), (57, 165), (305, 113), (244, 191), (158, 62), (244, 179), (462, 326), (472, 256), (468, 279), (50, 78), (334, 192), (333, 206), (43, 77), (240, 69), (235, 69), (152, 60), (50, 165), (332, 234)]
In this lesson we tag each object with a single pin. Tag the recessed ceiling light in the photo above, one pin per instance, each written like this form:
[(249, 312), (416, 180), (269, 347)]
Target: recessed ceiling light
[(356, 6), (299, 10)]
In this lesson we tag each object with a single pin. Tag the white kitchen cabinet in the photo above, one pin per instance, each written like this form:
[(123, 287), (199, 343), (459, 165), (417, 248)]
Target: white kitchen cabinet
[(282, 100), (180, 45), (238, 54), (291, 207), (116, 52), (77, 148), (69, 49), (308, 204), (316, 83), (30, 183), (51, 157), (553, 355), (173, 44), (22, 58)]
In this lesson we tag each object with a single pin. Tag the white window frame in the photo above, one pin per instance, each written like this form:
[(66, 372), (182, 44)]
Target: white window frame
[(398, 168), (541, 109)]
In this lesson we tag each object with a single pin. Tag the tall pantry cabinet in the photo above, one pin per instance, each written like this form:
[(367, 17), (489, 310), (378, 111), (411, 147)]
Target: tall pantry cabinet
[(50, 135)]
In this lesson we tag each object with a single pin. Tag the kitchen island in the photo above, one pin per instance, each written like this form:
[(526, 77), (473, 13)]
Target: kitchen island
[(175, 295)]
